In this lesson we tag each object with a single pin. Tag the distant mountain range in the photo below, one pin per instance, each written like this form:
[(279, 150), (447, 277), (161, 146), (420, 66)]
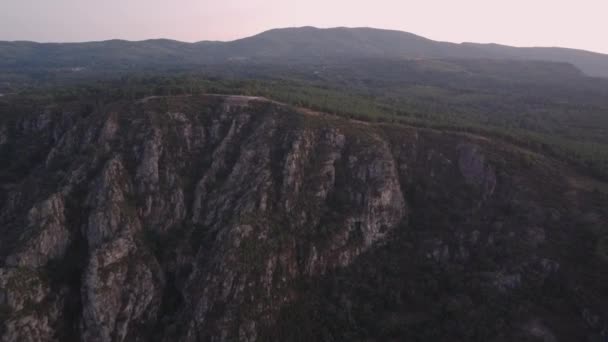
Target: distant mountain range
[(301, 45)]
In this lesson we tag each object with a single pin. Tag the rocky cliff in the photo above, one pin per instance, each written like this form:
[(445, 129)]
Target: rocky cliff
[(229, 218)]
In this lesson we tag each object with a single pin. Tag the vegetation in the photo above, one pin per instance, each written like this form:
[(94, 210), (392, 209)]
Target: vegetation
[(443, 273), (301, 45), (544, 107)]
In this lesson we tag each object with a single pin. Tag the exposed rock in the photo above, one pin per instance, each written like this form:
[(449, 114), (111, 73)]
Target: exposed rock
[(119, 290), (29, 310), (253, 222), (46, 236), (473, 167), (20, 287), (147, 171), (111, 209), (3, 135)]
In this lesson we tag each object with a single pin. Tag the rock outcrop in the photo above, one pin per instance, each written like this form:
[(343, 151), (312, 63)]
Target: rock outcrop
[(214, 219)]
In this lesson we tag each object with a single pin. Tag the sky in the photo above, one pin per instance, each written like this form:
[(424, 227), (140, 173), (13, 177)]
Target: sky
[(579, 24)]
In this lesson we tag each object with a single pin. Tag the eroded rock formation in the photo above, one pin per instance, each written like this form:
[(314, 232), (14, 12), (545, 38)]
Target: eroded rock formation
[(210, 219)]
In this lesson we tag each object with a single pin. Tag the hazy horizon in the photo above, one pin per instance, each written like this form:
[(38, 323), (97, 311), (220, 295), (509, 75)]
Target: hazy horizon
[(517, 23)]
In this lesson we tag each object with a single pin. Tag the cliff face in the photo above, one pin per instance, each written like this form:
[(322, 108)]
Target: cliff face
[(225, 218)]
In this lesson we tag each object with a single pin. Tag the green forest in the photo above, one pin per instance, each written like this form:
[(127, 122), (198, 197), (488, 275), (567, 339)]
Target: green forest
[(544, 107)]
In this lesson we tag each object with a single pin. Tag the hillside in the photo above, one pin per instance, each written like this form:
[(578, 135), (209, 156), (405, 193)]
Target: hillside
[(224, 218), (549, 107), (306, 44)]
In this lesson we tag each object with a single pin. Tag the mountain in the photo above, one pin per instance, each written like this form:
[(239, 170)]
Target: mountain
[(304, 45), (198, 218), (309, 42)]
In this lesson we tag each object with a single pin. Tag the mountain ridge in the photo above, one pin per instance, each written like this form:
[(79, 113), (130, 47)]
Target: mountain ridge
[(297, 44)]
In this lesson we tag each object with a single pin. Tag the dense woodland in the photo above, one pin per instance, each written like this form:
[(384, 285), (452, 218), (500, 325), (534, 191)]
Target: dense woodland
[(549, 107)]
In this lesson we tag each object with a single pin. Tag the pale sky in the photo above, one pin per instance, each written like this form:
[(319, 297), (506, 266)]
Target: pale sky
[(577, 24)]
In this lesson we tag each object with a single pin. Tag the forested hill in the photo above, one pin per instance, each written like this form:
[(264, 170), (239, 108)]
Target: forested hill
[(305, 44)]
